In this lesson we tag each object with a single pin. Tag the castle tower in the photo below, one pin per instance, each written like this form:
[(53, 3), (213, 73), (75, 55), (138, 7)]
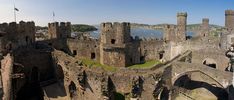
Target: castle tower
[(68, 29), (181, 26), (59, 31), (229, 20), (169, 33), (17, 35), (205, 27), (114, 38), (53, 30)]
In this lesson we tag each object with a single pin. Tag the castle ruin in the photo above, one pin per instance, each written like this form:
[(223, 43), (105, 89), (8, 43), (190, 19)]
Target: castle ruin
[(54, 68)]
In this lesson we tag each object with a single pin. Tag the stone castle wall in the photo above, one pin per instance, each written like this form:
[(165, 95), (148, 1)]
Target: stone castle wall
[(152, 49), (17, 34), (59, 30), (84, 48)]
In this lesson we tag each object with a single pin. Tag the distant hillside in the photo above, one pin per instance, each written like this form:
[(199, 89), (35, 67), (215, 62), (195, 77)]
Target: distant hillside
[(160, 26), (82, 28), (197, 26), (147, 26)]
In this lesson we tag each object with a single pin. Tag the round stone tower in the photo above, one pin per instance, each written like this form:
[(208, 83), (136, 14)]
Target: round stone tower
[(181, 26), (205, 27), (229, 20)]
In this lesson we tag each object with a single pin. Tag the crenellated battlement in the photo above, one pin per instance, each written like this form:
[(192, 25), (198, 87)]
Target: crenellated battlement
[(59, 30), (13, 27), (229, 12), (182, 14), (119, 32), (205, 20), (55, 24), (108, 26), (61, 24), (169, 26)]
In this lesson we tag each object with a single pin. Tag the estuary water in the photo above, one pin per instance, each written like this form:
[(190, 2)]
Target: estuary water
[(142, 33)]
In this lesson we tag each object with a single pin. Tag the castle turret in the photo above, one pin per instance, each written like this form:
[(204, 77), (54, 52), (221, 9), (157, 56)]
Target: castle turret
[(181, 26), (114, 38), (53, 30), (117, 33), (3, 27), (68, 29), (59, 31), (169, 33), (229, 20), (205, 27), (17, 35)]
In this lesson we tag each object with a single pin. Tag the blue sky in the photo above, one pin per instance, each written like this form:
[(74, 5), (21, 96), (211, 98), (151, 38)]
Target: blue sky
[(97, 11)]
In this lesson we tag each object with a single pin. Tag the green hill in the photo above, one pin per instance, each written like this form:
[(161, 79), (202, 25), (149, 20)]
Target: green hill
[(83, 28)]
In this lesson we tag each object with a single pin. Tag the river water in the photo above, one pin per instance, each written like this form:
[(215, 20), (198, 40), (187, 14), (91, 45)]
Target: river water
[(141, 33)]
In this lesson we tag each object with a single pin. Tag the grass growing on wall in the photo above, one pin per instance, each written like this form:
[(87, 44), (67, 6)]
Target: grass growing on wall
[(146, 65), (92, 63)]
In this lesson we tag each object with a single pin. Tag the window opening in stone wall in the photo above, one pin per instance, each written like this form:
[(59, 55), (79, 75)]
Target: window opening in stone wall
[(93, 56), (113, 41)]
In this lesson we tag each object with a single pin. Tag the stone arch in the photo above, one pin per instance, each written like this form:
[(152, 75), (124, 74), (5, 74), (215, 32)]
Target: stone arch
[(189, 72), (218, 90), (210, 62)]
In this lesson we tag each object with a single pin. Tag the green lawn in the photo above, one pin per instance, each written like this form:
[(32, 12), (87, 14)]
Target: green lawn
[(146, 65), (92, 63)]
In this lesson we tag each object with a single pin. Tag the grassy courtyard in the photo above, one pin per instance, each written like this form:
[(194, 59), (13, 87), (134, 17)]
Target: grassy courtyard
[(146, 65), (92, 63)]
